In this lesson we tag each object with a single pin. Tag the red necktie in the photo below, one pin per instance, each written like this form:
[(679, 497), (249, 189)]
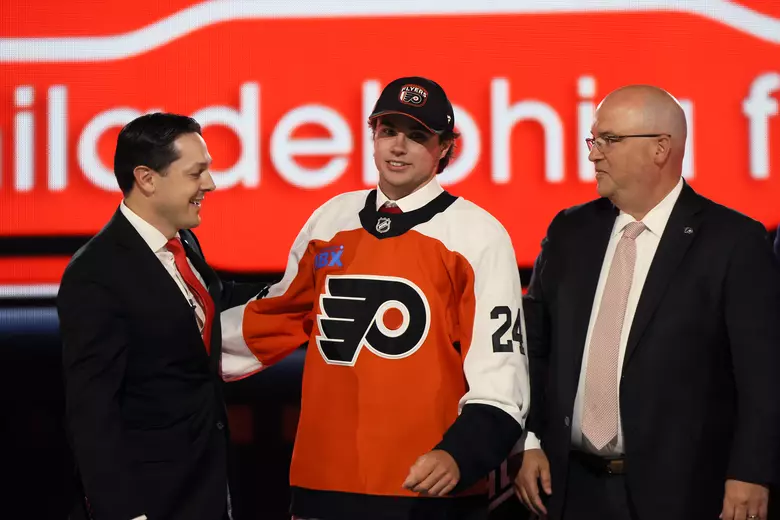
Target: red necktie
[(175, 246), (389, 209)]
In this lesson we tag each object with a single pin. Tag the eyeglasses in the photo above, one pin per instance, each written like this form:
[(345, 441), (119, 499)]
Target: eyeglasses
[(602, 142)]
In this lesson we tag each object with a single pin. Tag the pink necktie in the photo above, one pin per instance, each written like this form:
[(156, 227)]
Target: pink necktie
[(600, 416)]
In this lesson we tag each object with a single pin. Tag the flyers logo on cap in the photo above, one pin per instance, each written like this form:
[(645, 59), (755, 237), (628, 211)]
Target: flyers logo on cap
[(413, 95)]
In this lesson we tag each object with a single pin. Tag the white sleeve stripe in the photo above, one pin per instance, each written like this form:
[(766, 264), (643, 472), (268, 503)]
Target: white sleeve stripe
[(237, 360)]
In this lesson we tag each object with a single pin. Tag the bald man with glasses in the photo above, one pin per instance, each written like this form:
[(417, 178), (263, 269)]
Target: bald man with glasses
[(653, 346)]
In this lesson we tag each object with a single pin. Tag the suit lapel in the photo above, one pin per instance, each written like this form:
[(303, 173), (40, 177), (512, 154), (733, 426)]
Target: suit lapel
[(592, 242), (677, 237), (146, 260), (151, 269)]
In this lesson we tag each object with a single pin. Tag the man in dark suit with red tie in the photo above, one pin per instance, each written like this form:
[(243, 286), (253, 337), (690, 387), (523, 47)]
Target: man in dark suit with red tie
[(653, 342), (139, 317)]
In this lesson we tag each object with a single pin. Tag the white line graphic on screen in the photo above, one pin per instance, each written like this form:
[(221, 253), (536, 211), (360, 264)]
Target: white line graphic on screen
[(166, 30), (13, 291)]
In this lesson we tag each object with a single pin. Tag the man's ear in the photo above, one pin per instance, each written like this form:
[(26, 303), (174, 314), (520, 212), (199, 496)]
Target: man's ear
[(445, 148), (144, 179), (663, 149)]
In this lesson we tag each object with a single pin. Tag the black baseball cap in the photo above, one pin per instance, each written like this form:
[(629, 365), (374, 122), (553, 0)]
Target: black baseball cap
[(419, 98)]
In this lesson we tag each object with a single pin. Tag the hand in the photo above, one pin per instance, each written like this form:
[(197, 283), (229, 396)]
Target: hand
[(535, 467), (743, 499), (436, 473)]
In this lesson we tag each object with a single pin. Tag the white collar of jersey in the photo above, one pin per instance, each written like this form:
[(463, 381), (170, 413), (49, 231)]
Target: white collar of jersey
[(151, 235), (415, 200), (656, 219)]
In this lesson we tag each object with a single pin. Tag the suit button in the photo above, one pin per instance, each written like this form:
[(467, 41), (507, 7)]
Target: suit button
[(220, 426), (566, 421)]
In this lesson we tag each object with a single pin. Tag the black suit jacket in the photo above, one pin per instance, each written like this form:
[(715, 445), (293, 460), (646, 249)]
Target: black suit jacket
[(144, 402), (700, 386), (777, 243)]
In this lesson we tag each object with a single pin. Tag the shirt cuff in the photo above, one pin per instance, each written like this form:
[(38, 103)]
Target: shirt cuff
[(528, 441)]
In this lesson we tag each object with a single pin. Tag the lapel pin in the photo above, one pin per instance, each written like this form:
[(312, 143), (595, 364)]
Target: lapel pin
[(689, 231)]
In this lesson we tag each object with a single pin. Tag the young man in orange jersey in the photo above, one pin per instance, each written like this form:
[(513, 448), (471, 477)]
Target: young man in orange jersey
[(415, 384)]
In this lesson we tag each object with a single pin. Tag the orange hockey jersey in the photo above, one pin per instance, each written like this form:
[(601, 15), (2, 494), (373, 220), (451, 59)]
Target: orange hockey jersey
[(415, 341)]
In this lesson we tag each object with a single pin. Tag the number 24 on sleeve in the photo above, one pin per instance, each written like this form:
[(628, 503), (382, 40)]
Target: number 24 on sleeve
[(503, 312)]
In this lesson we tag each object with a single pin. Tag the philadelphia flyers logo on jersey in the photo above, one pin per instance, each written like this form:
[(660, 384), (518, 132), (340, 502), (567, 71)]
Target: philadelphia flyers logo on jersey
[(389, 316)]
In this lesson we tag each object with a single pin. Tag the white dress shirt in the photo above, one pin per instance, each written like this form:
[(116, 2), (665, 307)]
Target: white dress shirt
[(156, 242), (646, 246), (414, 200)]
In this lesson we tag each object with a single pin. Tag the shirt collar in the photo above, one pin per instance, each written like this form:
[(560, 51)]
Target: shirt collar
[(656, 219), (415, 200), (151, 235)]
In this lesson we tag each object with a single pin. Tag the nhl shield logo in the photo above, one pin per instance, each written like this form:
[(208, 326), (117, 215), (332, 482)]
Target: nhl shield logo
[(383, 225)]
